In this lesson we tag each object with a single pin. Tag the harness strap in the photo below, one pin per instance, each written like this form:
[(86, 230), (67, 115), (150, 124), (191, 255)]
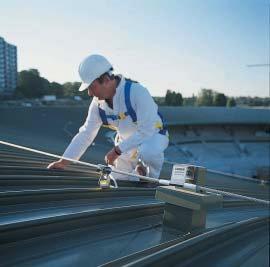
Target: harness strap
[(164, 129), (103, 116), (130, 110)]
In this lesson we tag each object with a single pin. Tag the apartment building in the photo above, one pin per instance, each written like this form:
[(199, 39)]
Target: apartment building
[(8, 67)]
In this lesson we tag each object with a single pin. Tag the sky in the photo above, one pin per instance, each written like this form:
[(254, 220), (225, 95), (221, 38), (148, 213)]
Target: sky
[(181, 45)]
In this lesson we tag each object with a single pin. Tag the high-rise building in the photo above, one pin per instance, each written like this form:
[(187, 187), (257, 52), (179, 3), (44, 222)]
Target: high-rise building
[(8, 67)]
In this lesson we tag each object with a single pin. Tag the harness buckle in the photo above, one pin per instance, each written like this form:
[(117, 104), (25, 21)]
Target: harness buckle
[(158, 125), (122, 116)]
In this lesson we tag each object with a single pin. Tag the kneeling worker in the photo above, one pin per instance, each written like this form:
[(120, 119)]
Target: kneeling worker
[(126, 106)]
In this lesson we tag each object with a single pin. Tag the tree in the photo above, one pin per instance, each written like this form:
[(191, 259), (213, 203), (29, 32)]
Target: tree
[(205, 98), (30, 84), (34, 72), (159, 100), (173, 99), (231, 102), (219, 100), (71, 89), (18, 94), (45, 86), (178, 100), (190, 101), (168, 97), (56, 89)]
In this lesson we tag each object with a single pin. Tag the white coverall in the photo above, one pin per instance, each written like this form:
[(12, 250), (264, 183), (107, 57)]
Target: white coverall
[(140, 140)]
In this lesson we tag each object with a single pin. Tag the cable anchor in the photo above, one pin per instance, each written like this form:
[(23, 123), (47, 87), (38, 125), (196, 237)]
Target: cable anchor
[(105, 177)]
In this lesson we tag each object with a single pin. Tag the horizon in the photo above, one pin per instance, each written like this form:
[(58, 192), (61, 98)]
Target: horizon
[(182, 45)]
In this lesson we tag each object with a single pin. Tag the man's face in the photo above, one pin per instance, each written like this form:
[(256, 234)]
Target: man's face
[(98, 90)]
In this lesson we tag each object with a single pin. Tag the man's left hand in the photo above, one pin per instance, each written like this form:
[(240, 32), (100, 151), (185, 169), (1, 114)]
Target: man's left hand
[(111, 156)]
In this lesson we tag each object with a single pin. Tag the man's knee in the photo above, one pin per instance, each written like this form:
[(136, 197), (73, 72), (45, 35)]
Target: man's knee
[(153, 149), (147, 154)]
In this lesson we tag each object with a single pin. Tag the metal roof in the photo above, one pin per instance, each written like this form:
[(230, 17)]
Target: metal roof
[(62, 218)]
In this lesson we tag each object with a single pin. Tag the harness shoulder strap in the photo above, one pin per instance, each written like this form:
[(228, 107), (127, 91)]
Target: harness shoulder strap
[(130, 109), (103, 116)]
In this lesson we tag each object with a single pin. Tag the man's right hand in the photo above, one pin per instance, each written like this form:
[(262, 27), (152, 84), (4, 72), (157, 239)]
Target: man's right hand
[(60, 164)]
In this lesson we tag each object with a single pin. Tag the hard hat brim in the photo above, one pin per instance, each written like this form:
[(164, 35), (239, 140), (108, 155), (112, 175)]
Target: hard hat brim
[(84, 86)]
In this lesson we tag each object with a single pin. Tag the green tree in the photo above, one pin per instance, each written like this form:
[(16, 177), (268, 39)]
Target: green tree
[(18, 94), (231, 102), (168, 97), (219, 100), (56, 89), (205, 98), (190, 101), (30, 84), (45, 86), (34, 72), (173, 99), (178, 99), (160, 100), (71, 89)]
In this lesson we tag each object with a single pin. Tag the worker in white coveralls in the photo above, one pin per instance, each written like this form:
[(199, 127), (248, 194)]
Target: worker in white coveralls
[(127, 107)]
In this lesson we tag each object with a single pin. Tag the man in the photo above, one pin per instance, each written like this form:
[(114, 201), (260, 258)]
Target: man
[(127, 107)]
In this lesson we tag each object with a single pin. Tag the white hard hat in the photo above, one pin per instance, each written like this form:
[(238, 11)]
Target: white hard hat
[(91, 68)]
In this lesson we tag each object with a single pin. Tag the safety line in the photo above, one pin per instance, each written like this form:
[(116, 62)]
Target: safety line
[(224, 193), (81, 162), (146, 178)]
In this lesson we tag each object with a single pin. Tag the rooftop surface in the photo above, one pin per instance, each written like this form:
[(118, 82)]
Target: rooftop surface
[(62, 218)]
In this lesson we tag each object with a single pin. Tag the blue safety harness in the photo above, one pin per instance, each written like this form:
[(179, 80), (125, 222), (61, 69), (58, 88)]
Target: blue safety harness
[(130, 111)]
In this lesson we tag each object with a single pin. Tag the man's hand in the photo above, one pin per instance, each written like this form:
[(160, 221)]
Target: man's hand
[(112, 155), (60, 164)]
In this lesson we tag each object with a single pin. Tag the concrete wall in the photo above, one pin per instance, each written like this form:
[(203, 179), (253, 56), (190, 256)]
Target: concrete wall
[(214, 115)]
